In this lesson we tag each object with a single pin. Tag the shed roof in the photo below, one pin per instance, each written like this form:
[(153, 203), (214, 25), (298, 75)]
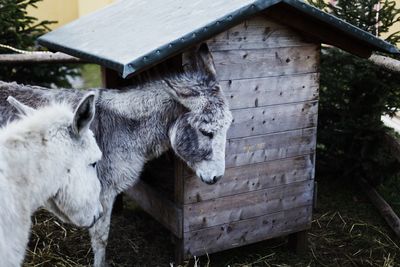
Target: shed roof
[(131, 35)]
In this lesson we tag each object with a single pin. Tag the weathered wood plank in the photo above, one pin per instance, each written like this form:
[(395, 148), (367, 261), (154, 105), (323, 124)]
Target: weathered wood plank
[(241, 64), (179, 187), (282, 56), (158, 206), (246, 93), (247, 205), (252, 177), (257, 33), (270, 119), (263, 148), (323, 32), (239, 233)]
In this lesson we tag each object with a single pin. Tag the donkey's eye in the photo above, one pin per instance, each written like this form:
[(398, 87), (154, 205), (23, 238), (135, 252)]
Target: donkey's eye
[(93, 164), (208, 134)]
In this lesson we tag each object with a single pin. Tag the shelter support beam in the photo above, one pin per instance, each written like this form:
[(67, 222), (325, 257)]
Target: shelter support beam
[(298, 242)]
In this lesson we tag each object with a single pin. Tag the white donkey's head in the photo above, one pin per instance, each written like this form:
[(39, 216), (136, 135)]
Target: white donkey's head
[(71, 157), (199, 136)]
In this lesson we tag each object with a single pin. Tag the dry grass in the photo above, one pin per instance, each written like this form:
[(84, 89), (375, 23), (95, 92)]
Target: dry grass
[(55, 244), (346, 231)]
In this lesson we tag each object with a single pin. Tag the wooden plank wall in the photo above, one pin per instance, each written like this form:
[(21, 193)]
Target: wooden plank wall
[(269, 74)]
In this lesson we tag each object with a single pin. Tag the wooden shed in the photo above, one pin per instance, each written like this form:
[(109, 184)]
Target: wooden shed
[(266, 54)]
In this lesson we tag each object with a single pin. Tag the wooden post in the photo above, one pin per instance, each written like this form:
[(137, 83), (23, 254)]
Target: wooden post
[(382, 206), (111, 79), (387, 63), (298, 242), (178, 199), (315, 196)]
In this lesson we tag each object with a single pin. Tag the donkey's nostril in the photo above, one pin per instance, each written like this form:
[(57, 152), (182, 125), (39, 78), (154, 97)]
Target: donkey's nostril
[(100, 215), (217, 178)]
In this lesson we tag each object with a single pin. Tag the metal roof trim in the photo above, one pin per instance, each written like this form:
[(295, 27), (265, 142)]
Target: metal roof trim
[(80, 54), (231, 19), (341, 24), (196, 36)]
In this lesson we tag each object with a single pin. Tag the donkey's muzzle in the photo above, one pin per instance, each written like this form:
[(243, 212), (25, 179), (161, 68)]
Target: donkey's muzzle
[(217, 178), (213, 180)]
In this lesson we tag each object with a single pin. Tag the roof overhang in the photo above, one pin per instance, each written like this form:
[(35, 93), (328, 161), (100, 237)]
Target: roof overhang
[(129, 36)]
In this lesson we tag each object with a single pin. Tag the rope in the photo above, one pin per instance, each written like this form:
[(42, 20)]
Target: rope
[(23, 51)]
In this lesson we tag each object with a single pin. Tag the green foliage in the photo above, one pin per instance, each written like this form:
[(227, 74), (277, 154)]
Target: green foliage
[(19, 30), (91, 75), (354, 94), (364, 14)]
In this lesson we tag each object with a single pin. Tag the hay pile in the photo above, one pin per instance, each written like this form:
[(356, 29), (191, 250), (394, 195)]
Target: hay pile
[(346, 231)]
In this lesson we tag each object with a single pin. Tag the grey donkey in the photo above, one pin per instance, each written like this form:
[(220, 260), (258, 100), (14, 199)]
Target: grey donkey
[(186, 111)]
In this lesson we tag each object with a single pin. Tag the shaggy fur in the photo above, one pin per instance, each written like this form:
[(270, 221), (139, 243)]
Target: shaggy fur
[(43, 159), (187, 112)]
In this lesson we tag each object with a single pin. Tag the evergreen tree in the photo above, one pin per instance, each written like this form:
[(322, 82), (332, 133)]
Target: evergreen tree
[(19, 30), (354, 94)]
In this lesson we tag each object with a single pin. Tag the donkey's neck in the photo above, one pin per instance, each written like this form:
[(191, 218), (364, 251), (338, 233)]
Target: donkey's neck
[(140, 102), (22, 167), (23, 189), (136, 122), (147, 112), (15, 221), (20, 197)]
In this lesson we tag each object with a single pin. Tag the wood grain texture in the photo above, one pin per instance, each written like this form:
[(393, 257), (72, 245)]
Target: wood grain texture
[(247, 205), (271, 119), (258, 92), (239, 233), (257, 33), (179, 187), (258, 63), (251, 177), (158, 206), (250, 150)]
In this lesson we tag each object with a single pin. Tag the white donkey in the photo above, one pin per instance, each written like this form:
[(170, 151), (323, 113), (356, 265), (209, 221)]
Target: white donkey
[(47, 157)]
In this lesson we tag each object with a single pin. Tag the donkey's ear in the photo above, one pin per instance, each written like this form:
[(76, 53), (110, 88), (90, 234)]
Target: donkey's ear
[(84, 114), (189, 60), (205, 62), (199, 59), (181, 89), (22, 108)]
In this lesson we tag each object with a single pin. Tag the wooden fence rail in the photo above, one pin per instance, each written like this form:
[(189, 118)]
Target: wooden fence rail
[(58, 57), (38, 57)]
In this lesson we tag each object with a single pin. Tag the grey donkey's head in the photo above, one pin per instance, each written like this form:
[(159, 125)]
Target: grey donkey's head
[(199, 135)]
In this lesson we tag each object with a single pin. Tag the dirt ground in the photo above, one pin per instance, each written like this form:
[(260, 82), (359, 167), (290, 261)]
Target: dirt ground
[(346, 231)]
